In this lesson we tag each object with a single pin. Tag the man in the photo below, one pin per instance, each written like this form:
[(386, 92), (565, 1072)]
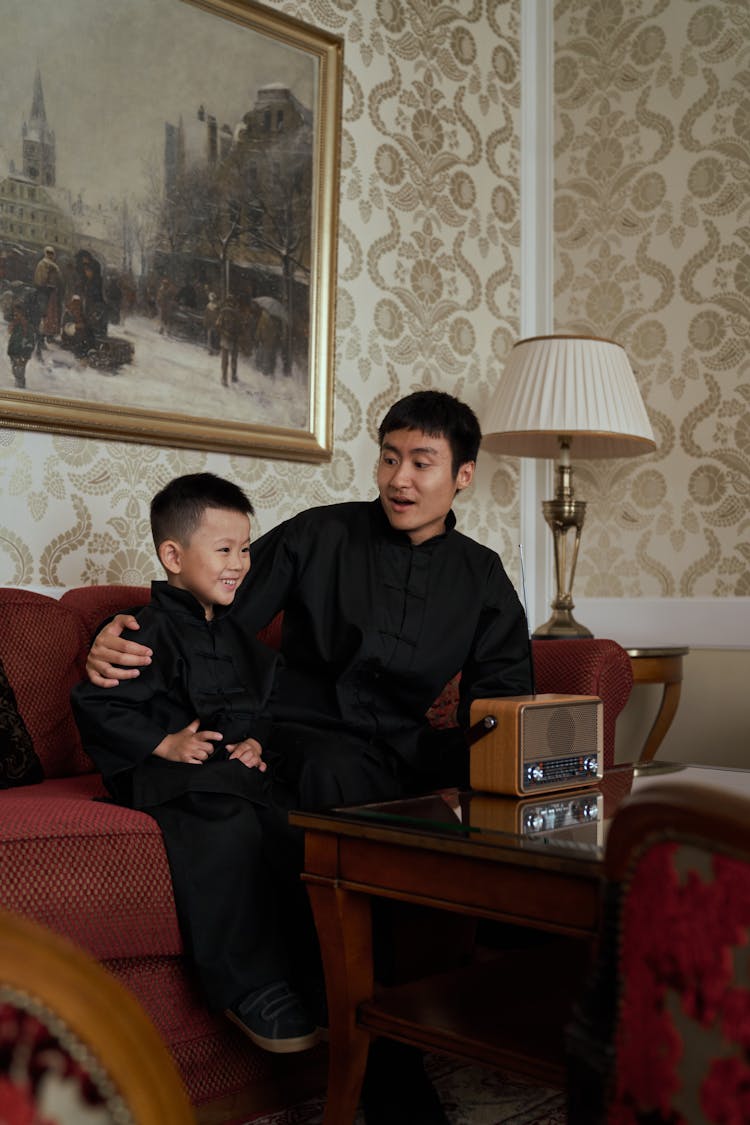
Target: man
[(229, 327), (384, 601)]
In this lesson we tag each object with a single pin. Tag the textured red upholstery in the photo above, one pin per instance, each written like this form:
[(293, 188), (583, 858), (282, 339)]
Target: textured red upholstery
[(91, 870), (94, 604), (589, 666), (662, 1032), (685, 928)]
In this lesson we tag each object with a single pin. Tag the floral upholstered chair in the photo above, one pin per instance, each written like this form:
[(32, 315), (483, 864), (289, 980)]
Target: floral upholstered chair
[(662, 1035), (76, 1048)]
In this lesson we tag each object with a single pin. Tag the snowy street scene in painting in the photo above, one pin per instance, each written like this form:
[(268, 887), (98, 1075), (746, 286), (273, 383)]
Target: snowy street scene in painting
[(173, 376), (156, 212)]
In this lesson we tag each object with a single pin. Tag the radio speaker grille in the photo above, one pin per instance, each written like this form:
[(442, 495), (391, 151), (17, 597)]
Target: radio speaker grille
[(558, 731)]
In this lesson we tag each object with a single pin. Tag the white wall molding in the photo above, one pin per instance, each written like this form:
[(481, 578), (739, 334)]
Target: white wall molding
[(537, 273), (720, 623)]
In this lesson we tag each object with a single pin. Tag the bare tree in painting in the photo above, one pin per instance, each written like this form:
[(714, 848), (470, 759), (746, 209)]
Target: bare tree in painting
[(248, 201), (278, 206)]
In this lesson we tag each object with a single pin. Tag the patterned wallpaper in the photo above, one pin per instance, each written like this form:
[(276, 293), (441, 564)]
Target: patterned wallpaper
[(651, 240), (652, 243), (429, 249)]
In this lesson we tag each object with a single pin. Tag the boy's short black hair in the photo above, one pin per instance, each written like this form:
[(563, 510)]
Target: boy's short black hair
[(439, 415), (177, 510)]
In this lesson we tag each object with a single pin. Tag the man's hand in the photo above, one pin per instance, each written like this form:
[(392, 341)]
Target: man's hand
[(249, 753), (112, 659), (189, 745)]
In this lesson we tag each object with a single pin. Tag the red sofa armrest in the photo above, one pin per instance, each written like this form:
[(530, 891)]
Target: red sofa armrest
[(94, 604), (590, 666)]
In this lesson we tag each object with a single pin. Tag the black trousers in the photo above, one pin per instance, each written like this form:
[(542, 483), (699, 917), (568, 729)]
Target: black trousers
[(244, 914), (225, 891)]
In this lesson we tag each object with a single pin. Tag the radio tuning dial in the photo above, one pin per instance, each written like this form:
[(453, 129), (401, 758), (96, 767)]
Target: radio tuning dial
[(590, 763), (536, 772)]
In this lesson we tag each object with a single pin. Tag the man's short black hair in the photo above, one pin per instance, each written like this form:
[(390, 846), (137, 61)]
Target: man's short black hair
[(439, 415), (177, 510)]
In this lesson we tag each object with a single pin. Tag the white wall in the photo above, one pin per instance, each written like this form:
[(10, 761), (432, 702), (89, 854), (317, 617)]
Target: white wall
[(712, 724)]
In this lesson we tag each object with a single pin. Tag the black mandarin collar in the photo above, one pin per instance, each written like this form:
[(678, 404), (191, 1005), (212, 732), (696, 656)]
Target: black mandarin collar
[(381, 522), (172, 596)]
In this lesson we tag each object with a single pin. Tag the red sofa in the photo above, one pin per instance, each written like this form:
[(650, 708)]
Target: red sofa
[(98, 873)]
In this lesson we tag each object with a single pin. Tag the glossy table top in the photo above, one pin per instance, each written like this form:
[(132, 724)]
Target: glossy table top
[(573, 823)]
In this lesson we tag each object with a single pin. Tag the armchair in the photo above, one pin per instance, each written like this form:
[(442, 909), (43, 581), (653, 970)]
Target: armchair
[(74, 1041), (661, 1034)]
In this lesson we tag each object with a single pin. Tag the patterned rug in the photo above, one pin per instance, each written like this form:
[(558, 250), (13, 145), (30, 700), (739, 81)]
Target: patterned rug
[(471, 1095)]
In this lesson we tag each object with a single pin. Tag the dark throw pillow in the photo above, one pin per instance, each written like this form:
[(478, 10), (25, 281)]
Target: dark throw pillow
[(19, 764)]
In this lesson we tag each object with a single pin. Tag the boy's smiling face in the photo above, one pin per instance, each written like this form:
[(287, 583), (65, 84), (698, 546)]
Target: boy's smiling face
[(214, 562)]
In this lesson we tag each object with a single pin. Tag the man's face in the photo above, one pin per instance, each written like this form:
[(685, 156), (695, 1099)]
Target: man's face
[(416, 482), (217, 558)]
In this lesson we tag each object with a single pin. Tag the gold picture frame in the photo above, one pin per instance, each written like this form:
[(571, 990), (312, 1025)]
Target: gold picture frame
[(185, 178)]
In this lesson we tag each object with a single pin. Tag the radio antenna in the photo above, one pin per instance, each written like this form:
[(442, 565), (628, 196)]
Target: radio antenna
[(526, 611)]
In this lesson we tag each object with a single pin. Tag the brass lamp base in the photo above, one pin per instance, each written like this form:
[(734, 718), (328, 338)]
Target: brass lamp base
[(564, 514), (562, 625)]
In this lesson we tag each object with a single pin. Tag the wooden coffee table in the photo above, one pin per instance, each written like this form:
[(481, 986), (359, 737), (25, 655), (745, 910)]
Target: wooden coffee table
[(466, 853)]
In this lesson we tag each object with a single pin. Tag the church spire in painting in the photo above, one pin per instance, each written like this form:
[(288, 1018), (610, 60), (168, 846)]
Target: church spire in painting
[(39, 162), (38, 113)]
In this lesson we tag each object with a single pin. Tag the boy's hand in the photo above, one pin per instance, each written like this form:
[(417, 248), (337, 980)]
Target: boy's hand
[(249, 752), (190, 745), (109, 651)]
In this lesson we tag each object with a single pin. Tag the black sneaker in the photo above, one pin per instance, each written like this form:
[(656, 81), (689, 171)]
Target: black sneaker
[(274, 1018)]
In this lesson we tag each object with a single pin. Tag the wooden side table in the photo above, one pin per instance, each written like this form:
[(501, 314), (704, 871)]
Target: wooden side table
[(659, 666)]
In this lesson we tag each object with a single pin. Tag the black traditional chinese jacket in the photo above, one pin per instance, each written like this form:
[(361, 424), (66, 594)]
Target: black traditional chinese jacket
[(209, 670), (374, 627)]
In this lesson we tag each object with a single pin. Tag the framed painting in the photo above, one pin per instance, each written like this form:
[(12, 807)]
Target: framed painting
[(168, 212)]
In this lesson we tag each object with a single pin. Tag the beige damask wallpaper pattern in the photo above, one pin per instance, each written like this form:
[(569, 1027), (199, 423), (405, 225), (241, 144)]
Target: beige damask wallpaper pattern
[(652, 245), (429, 247)]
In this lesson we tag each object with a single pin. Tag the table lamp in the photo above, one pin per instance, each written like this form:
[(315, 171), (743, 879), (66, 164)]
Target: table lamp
[(560, 395)]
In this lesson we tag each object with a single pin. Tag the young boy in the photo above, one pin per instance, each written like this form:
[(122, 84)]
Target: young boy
[(184, 742)]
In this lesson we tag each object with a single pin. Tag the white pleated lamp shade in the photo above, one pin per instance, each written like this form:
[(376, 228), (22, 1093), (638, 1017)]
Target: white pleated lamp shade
[(578, 387)]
